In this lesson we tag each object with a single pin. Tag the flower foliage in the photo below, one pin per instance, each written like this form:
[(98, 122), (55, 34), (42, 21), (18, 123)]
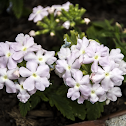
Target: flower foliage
[(92, 71), (103, 78), (24, 67)]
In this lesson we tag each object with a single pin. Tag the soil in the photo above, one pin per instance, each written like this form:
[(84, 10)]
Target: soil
[(10, 27)]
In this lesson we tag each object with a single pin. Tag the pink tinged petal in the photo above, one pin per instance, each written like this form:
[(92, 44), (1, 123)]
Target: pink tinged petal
[(96, 78), (78, 76), (107, 83), (85, 80), (23, 97), (10, 86), (30, 56), (10, 74), (70, 82), (76, 64), (43, 70), (94, 66), (18, 55), (16, 46), (24, 72), (29, 84), (11, 63), (32, 66), (85, 90)]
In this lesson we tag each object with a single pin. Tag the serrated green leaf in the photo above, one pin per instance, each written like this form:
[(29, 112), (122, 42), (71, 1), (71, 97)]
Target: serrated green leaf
[(24, 108), (34, 100), (62, 90), (94, 110), (42, 96), (17, 7), (62, 105), (78, 109)]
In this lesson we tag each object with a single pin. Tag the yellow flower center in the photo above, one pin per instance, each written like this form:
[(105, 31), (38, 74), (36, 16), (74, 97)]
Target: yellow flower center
[(106, 74), (40, 59), (83, 52), (69, 67), (34, 75), (96, 57), (92, 92), (77, 84), (24, 49), (5, 77), (39, 11), (8, 54), (22, 87)]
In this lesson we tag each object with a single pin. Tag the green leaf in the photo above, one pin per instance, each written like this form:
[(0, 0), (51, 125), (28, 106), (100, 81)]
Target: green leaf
[(24, 108), (79, 110), (62, 90), (42, 96), (94, 110), (62, 105), (17, 7), (34, 100)]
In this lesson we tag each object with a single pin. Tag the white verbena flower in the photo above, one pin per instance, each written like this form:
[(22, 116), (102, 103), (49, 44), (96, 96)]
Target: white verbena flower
[(41, 57), (78, 85), (37, 76), (23, 95), (38, 13)]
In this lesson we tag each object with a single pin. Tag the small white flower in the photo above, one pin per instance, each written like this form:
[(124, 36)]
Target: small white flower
[(87, 20)]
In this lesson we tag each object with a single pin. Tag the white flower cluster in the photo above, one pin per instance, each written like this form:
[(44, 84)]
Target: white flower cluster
[(107, 70), (39, 12), (24, 80)]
